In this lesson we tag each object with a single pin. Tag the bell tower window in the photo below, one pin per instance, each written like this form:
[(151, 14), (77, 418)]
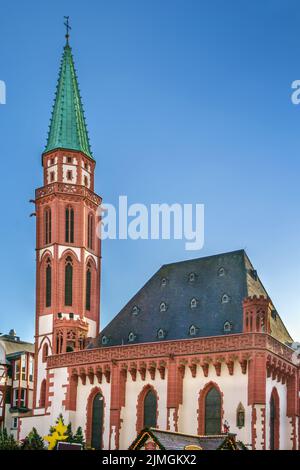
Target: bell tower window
[(48, 282), (47, 226), (90, 231), (68, 281), (69, 225), (88, 287)]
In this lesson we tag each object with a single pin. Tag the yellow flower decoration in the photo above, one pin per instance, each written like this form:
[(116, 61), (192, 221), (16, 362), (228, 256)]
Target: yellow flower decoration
[(57, 435)]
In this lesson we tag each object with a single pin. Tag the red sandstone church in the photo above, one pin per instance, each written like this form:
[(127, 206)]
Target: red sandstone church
[(200, 345)]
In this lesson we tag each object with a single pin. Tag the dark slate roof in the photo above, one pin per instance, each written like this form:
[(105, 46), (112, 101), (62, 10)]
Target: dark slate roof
[(228, 273), (167, 440)]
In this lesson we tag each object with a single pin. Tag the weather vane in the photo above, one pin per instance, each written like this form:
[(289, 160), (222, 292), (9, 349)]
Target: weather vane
[(68, 27)]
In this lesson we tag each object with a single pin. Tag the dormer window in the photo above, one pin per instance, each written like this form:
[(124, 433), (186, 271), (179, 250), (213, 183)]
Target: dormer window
[(193, 303), (221, 272), (192, 330), (161, 334), (131, 337), (225, 299), (227, 327), (135, 310), (163, 307), (104, 340), (192, 277), (163, 282)]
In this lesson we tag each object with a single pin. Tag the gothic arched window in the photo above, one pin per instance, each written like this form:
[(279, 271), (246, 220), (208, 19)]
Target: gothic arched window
[(43, 394), (88, 287), (213, 412), (48, 282), (90, 231), (69, 225), (68, 281), (47, 226), (45, 352), (150, 409)]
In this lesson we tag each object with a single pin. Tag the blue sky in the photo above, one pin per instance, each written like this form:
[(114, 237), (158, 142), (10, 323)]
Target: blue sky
[(186, 101)]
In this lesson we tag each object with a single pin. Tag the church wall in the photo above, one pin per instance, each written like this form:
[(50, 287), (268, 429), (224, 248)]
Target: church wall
[(129, 412), (80, 417), (234, 389)]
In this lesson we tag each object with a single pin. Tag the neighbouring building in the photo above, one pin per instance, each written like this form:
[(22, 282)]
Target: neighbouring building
[(16, 380), (199, 345)]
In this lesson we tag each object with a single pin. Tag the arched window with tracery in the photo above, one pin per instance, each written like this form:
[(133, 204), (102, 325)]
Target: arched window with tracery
[(150, 409), (69, 281), (213, 412), (47, 226), (43, 394), (69, 225), (91, 231), (48, 289), (274, 420), (88, 287), (45, 352)]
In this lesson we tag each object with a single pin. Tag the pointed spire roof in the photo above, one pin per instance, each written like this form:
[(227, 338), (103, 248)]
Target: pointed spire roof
[(67, 127)]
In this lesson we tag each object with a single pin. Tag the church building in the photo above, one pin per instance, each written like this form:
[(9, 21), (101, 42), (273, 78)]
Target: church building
[(199, 348)]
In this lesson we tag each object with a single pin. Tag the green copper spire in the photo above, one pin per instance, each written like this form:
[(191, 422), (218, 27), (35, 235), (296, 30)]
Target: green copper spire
[(68, 128)]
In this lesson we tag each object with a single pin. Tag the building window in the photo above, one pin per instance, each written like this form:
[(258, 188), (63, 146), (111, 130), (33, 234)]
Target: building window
[(225, 299), (240, 416), (86, 181), (163, 282), (135, 310), (90, 231), (47, 226), (221, 272), (163, 307), (45, 352), (150, 410), (193, 330), (68, 281), (16, 397), (192, 277), (131, 337), (161, 334), (48, 282), (104, 340), (43, 394), (17, 370), (52, 176), (23, 366), (193, 303), (88, 287), (274, 420), (23, 398), (52, 161), (31, 364), (69, 225), (69, 175), (14, 423), (213, 412), (69, 159), (227, 327)]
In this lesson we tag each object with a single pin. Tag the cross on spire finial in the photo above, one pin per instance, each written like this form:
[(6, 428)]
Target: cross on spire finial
[(68, 27)]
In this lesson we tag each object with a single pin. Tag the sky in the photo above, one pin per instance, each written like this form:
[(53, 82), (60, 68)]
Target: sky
[(186, 101)]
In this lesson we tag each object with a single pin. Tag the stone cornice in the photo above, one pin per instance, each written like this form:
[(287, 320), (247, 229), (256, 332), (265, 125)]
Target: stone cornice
[(239, 343)]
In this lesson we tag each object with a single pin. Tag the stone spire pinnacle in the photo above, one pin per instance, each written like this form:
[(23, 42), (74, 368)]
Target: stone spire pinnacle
[(67, 127)]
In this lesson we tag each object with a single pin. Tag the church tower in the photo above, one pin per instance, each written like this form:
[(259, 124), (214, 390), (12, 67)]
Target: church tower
[(68, 252)]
